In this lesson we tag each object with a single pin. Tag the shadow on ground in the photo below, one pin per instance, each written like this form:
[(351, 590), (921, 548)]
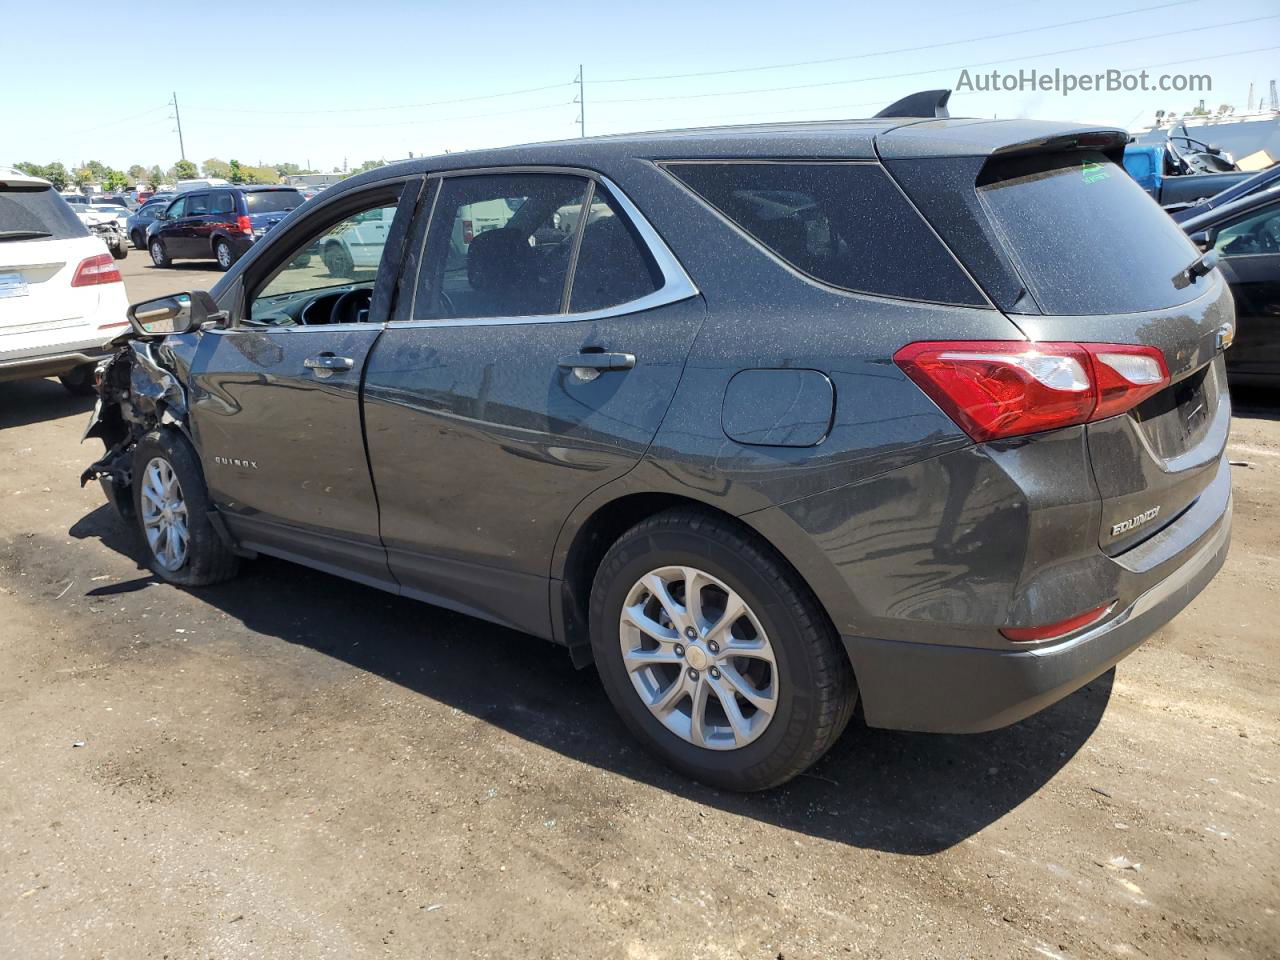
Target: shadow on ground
[(896, 792), (24, 402)]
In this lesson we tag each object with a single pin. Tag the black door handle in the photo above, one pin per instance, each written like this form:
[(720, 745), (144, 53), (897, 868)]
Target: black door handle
[(599, 361)]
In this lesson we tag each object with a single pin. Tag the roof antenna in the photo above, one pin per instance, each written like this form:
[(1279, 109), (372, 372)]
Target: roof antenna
[(925, 103)]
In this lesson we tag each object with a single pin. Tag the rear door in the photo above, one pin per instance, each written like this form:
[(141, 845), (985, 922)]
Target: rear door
[(1249, 247), (197, 226), (276, 398), (1073, 250), (530, 366)]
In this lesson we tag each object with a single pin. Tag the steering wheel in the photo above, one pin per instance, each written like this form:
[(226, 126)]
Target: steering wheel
[(352, 307)]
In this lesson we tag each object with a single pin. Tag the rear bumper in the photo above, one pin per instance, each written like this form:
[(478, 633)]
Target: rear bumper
[(941, 688), (51, 361)]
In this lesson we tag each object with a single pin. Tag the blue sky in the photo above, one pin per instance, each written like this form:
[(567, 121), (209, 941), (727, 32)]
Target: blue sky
[(324, 81)]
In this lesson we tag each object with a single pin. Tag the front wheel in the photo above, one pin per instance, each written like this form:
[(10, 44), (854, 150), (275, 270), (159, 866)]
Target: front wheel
[(716, 656), (80, 380), (337, 261), (119, 251), (159, 255), (171, 506)]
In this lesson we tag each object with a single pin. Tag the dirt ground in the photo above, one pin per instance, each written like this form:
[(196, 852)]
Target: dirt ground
[(291, 765)]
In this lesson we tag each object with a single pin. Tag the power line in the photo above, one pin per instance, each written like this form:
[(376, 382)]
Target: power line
[(400, 106), (404, 123), (885, 53), (874, 103), (918, 73)]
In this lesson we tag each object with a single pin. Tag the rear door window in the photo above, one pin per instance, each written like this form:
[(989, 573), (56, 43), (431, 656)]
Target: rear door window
[(498, 246), (197, 205), (222, 203), (1258, 233), (845, 224), (36, 213), (1084, 237)]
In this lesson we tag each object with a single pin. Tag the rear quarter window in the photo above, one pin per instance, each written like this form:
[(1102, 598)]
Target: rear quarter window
[(845, 224), (272, 201), (28, 213)]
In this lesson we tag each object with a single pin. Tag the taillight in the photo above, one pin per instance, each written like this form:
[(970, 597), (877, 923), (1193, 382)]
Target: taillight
[(468, 232), (244, 225), (1003, 388), (1055, 631), (95, 270)]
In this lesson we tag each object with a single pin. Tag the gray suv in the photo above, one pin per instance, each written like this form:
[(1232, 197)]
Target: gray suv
[(922, 411)]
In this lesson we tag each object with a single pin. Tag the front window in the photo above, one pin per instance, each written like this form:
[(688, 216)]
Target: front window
[(345, 257), (1258, 233)]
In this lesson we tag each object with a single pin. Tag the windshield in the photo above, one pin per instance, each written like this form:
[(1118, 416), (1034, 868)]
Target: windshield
[(36, 213), (1084, 237), (272, 201)]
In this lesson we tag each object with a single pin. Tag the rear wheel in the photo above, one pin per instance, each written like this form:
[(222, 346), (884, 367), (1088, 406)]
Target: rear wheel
[(222, 253), (159, 255), (119, 251), (715, 655), (80, 380), (171, 506)]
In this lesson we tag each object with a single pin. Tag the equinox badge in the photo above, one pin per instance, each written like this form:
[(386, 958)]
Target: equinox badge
[(1126, 525)]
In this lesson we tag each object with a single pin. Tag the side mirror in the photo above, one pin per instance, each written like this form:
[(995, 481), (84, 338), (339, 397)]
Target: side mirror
[(1203, 239), (179, 313)]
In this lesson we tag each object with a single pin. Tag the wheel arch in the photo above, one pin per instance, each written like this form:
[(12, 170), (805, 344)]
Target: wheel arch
[(588, 535)]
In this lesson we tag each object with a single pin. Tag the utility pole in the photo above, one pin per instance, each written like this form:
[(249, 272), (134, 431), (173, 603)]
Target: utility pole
[(581, 101), (182, 149)]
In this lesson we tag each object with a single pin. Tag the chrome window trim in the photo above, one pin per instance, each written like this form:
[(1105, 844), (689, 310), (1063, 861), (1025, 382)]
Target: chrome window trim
[(676, 284)]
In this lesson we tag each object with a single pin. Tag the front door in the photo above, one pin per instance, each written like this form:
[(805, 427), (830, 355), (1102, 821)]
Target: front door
[(1250, 252), (276, 401), (535, 365)]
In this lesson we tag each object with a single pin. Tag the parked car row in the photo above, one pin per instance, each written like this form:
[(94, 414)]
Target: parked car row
[(763, 422)]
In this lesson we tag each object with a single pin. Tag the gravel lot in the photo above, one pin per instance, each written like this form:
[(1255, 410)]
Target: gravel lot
[(291, 765)]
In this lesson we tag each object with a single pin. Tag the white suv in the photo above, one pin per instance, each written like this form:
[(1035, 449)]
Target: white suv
[(61, 296)]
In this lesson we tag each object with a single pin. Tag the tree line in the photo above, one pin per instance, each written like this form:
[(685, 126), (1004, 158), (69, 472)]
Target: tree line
[(113, 181)]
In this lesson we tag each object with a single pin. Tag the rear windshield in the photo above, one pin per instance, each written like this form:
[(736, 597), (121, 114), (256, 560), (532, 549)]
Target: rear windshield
[(37, 213), (845, 224), (272, 201), (1084, 237)]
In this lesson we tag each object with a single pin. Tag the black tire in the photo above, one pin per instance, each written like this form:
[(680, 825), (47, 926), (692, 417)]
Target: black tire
[(119, 251), (208, 559), (224, 255), (815, 683), (159, 255), (337, 261), (80, 380), (139, 240)]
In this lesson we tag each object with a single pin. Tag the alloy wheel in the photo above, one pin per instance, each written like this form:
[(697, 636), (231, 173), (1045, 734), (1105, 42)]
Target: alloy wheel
[(699, 658), (223, 252), (164, 514)]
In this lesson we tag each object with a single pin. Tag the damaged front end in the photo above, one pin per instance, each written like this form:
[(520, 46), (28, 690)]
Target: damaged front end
[(137, 393)]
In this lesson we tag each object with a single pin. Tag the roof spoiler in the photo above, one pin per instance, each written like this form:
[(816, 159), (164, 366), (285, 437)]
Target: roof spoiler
[(925, 103)]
